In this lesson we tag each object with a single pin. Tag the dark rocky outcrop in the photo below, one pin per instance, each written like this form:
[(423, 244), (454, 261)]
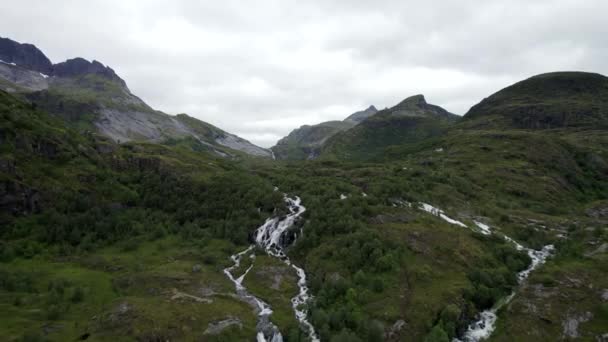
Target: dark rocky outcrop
[(62, 106), (79, 67), (142, 164), (25, 55), (42, 147), (17, 198), (417, 106)]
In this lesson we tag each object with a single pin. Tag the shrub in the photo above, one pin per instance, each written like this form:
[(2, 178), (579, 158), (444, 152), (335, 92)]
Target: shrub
[(437, 334), (77, 295)]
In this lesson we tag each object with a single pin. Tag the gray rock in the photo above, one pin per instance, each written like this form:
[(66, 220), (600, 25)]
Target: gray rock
[(361, 115), (393, 332), (217, 327), (571, 323), (196, 268), (240, 144), (603, 248), (23, 79), (600, 211)]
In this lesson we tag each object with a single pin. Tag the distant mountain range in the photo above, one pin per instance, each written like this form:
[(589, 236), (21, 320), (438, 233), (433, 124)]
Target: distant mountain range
[(366, 133), (93, 97), (305, 142)]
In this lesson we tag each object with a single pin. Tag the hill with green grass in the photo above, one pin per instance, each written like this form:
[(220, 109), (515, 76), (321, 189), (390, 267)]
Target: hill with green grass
[(547, 101), (410, 121)]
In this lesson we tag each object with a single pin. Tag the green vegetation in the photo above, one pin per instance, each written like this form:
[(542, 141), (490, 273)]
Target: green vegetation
[(413, 120), (305, 142), (101, 241), (554, 100)]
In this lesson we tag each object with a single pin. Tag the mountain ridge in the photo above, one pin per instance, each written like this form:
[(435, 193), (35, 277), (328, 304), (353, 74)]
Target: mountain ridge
[(409, 121), (545, 101), (305, 142), (92, 96)]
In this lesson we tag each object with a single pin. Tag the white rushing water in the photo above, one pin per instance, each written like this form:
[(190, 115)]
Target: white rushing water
[(486, 323), (273, 238), (438, 212), (484, 326)]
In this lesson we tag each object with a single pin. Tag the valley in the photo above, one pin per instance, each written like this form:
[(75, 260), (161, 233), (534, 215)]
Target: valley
[(120, 222)]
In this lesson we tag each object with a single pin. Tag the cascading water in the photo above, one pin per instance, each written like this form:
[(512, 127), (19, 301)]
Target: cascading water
[(483, 327), (273, 237), (485, 324)]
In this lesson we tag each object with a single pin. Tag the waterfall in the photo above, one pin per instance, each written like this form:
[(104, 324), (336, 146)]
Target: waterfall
[(273, 238)]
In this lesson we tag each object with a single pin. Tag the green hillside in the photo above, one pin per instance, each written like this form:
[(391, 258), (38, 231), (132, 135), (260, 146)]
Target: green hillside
[(103, 241), (553, 100), (411, 121)]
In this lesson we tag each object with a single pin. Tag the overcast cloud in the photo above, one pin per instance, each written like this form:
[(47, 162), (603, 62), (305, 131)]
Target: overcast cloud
[(262, 68)]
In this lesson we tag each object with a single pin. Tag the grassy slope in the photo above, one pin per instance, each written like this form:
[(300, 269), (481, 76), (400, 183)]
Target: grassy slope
[(369, 139), (142, 279)]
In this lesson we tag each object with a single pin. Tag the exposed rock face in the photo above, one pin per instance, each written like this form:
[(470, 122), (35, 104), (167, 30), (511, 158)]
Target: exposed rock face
[(17, 198), (25, 55), (357, 117), (79, 66), (92, 95), (598, 211), (125, 125), (393, 333), (417, 106), (217, 327), (240, 144), (22, 79), (570, 325)]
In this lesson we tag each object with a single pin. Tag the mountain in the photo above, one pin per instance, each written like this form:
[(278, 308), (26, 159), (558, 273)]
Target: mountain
[(305, 142), (410, 121), (419, 227), (359, 116), (92, 96), (26, 55), (552, 100)]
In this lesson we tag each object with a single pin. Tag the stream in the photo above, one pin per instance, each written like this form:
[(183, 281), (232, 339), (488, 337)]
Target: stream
[(273, 236), (482, 328)]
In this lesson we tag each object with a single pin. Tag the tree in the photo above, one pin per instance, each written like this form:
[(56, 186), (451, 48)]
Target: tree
[(346, 336), (437, 334)]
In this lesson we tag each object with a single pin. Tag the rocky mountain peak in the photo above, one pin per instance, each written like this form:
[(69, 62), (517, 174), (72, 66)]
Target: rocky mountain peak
[(361, 115), (25, 55), (414, 101), (80, 66)]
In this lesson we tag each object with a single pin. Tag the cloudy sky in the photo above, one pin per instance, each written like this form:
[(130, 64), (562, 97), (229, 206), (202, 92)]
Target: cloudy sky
[(261, 68)]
